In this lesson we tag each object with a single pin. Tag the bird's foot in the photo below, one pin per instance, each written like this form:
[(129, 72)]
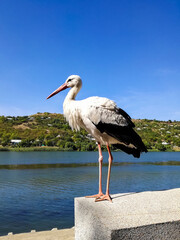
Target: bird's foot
[(103, 198), (97, 196)]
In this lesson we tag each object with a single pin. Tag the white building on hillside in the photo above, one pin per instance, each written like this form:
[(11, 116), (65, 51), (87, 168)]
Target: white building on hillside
[(15, 141)]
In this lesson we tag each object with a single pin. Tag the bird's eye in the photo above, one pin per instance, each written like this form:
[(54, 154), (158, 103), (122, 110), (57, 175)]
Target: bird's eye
[(69, 80)]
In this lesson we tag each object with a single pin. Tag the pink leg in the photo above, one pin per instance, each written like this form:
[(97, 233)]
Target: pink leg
[(107, 196), (100, 175)]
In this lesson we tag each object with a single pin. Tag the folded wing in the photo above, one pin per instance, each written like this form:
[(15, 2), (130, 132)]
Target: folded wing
[(114, 121)]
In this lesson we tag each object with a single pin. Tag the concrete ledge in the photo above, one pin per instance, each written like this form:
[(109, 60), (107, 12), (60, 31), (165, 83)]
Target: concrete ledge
[(54, 234), (146, 215)]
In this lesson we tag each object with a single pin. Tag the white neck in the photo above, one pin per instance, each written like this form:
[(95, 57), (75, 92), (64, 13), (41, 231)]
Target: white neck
[(72, 93), (69, 107)]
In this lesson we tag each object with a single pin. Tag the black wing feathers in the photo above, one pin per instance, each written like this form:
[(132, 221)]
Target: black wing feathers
[(126, 116), (133, 151), (130, 141), (126, 135)]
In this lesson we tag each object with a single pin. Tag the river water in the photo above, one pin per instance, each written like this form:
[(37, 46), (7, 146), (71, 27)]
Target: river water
[(37, 189)]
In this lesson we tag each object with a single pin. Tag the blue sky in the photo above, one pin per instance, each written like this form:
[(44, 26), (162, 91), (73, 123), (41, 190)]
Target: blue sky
[(126, 50)]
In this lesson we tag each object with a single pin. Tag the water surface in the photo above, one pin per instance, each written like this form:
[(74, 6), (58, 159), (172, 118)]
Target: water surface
[(37, 189)]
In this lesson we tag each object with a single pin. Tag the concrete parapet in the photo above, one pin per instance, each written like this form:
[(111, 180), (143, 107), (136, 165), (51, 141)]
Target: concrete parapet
[(54, 234), (143, 216)]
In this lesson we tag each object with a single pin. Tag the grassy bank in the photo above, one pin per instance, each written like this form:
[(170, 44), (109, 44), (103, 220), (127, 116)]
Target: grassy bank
[(54, 149), (30, 149)]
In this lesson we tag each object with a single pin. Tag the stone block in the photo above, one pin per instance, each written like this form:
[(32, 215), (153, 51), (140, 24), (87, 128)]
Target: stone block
[(151, 215)]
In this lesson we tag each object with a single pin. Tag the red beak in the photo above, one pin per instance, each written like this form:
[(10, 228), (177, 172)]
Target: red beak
[(61, 88)]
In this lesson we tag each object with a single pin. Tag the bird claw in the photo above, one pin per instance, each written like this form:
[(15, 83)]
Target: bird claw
[(104, 197), (96, 196)]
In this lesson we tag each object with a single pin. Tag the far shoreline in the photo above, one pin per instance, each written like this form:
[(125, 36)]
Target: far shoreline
[(56, 149)]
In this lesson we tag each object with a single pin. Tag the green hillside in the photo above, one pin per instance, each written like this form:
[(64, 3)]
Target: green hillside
[(46, 131)]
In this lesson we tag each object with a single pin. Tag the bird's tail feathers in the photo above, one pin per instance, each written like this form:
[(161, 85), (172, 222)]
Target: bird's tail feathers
[(134, 151)]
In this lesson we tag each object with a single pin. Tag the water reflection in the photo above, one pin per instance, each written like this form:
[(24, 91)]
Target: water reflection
[(75, 165)]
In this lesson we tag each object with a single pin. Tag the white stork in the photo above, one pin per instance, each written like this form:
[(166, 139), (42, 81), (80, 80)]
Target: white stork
[(107, 123)]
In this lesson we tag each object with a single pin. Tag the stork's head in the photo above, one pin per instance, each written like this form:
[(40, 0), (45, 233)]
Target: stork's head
[(71, 81), (74, 80)]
